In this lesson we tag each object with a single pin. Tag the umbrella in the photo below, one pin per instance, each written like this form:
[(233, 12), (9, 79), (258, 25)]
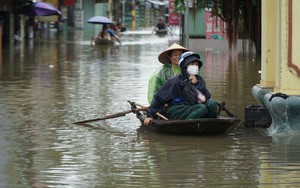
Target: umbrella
[(45, 9), (99, 20), (38, 9)]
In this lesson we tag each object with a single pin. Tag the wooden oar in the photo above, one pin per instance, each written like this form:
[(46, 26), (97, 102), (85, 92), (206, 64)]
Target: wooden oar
[(222, 107), (157, 113), (119, 114)]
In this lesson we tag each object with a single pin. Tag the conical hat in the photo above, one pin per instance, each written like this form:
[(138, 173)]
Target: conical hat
[(163, 57)]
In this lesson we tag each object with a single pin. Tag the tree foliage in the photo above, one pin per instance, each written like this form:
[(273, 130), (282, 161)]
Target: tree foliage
[(243, 17)]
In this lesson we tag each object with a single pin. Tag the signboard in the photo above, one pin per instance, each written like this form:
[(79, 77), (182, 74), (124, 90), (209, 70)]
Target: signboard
[(215, 27), (68, 2), (173, 16)]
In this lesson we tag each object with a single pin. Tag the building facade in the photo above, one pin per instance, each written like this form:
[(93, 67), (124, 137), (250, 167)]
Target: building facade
[(135, 14)]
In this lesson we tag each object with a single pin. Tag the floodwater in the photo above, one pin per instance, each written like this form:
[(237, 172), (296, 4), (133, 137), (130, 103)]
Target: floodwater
[(48, 83)]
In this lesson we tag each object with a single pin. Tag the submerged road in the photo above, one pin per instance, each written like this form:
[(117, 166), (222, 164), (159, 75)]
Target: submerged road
[(52, 81)]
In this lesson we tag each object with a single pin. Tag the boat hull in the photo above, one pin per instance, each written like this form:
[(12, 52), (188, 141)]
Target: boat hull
[(204, 126), (102, 41), (161, 32)]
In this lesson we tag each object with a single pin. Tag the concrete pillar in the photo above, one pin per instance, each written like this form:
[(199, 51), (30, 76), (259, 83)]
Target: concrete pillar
[(280, 65), (269, 51), (269, 34), (22, 28)]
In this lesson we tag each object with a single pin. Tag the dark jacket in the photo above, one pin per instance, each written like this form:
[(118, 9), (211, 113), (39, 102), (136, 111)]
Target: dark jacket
[(161, 26), (177, 90)]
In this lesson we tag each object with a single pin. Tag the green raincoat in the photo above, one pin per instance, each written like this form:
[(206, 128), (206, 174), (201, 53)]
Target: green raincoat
[(160, 77)]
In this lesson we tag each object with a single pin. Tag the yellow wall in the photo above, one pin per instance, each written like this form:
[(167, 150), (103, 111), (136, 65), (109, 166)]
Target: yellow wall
[(268, 44), (275, 46)]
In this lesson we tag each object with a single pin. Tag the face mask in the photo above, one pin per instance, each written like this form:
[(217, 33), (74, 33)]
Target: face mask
[(192, 69)]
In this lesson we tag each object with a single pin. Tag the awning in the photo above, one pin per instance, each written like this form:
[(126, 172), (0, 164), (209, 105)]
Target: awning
[(160, 3)]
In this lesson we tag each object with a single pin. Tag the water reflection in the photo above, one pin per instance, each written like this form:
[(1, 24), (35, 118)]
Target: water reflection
[(279, 162), (48, 84), (188, 161)]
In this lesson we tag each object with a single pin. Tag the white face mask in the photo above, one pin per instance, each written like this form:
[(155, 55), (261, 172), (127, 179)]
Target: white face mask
[(192, 69)]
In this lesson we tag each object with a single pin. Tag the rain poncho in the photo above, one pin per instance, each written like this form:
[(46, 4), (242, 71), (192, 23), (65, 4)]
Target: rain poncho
[(160, 77)]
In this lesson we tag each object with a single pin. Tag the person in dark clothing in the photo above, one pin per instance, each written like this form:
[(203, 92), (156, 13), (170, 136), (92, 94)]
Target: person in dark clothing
[(121, 28), (160, 26), (185, 95)]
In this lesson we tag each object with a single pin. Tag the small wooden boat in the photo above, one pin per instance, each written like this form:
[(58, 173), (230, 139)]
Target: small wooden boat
[(104, 41), (161, 32), (203, 126)]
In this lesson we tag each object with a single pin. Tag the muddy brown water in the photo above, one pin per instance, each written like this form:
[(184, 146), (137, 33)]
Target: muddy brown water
[(49, 82)]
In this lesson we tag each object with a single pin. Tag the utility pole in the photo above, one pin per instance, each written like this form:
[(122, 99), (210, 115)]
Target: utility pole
[(110, 9), (186, 25), (123, 12), (133, 15)]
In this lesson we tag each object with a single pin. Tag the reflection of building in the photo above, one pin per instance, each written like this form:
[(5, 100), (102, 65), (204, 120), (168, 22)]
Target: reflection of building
[(5, 9)]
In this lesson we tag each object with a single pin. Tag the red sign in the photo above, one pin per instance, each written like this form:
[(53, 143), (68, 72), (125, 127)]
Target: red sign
[(68, 2), (173, 16)]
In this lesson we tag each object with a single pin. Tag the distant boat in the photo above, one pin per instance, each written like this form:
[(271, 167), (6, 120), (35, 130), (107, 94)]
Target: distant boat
[(161, 31), (103, 41)]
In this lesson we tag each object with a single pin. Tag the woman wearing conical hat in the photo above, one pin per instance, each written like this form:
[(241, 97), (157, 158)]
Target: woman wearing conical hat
[(169, 58)]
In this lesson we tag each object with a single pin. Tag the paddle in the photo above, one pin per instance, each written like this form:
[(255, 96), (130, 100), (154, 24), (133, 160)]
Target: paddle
[(169, 30), (134, 108), (119, 41), (119, 114), (222, 107)]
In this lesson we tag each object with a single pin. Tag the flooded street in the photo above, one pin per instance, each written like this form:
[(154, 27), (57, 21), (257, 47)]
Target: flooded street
[(47, 84)]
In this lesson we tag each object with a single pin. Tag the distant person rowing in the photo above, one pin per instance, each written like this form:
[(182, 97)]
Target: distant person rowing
[(161, 27), (107, 33), (121, 28)]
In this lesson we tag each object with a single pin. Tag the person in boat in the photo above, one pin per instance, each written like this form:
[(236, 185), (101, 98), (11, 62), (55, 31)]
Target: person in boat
[(107, 33), (160, 26), (169, 58), (186, 95), (121, 27), (112, 33), (104, 33)]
